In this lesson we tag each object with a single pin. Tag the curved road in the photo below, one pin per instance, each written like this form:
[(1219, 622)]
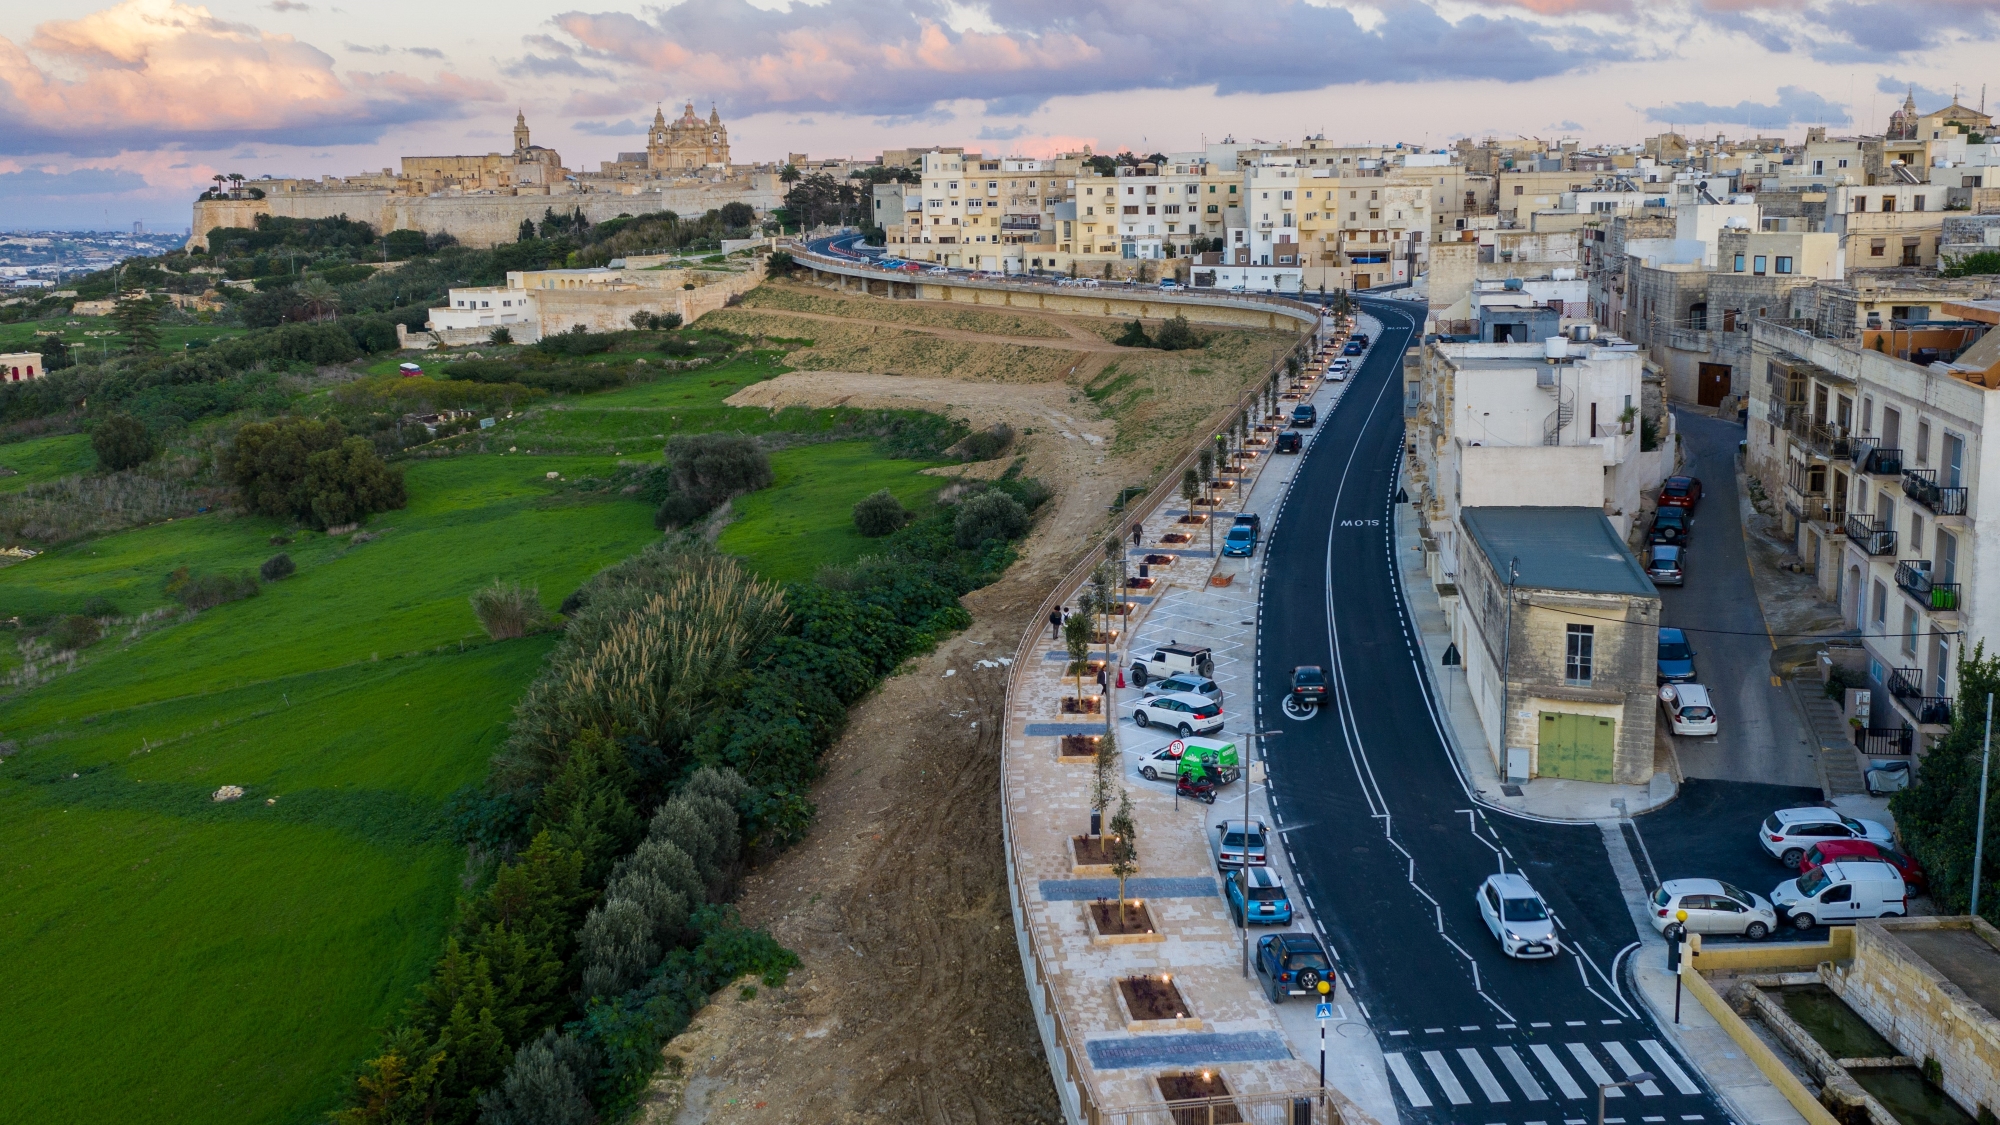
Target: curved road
[(1388, 846)]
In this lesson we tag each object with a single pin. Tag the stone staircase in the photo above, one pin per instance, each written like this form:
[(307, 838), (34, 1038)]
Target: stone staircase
[(1836, 738)]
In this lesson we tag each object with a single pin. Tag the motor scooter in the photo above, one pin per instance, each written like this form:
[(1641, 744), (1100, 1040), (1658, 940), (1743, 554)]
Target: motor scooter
[(1195, 788)]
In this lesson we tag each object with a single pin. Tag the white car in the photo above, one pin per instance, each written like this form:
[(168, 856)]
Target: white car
[(1688, 710), (1842, 892), (1518, 917), (1182, 711), (1787, 833), (937, 269), (1713, 907)]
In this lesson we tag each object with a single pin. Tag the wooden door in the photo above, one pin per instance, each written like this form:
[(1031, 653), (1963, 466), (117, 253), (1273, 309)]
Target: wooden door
[(1712, 384)]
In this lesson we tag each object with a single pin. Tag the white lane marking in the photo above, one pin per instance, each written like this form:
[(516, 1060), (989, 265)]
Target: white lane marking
[(1523, 1077), (1593, 1070), (1554, 1066), (1407, 1079), (1482, 1074), (1630, 1065), (1667, 1066), (1441, 1070)]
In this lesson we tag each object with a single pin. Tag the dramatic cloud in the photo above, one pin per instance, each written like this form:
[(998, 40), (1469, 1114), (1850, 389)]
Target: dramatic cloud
[(1795, 106), (1845, 31), (150, 74), (905, 59)]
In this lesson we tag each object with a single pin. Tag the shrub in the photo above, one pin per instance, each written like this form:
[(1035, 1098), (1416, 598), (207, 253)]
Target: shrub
[(310, 470), (655, 322), (780, 264), (507, 610), (500, 336), (988, 516), (1134, 337), (206, 591), (97, 605), (706, 469), (988, 443), (73, 632), (121, 442), (1175, 335), (277, 567), (879, 515), (578, 341)]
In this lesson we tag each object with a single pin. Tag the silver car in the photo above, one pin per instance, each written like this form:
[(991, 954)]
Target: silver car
[(1518, 917), (1184, 682)]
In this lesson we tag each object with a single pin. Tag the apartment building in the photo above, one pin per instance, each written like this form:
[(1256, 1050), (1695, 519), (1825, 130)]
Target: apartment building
[(1888, 226)]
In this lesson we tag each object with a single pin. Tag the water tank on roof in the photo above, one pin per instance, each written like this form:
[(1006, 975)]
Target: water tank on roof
[(1556, 347), (1513, 285), (1564, 274)]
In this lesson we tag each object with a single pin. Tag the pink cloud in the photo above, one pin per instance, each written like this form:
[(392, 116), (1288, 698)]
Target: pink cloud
[(148, 73)]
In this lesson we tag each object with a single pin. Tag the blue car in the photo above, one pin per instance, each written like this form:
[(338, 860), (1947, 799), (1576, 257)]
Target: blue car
[(1241, 542), (1269, 904), (1676, 657), (1353, 348)]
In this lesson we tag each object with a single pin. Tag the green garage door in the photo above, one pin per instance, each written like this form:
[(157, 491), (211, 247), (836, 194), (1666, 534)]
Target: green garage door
[(1578, 747)]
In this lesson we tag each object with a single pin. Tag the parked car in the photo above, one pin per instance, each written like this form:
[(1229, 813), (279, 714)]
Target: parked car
[(1228, 842), (1842, 892), (1172, 658), (1787, 833), (1831, 851), (1676, 658), (1688, 710), (1681, 492), (1670, 525), (1169, 283), (1663, 564), (1309, 685), (1268, 902), (1354, 347), (1359, 338), (1289, 441), (1713, 907), (1517, 916), (1192, 682), (938, 269), (1241, 541), (1294, 964), (1304, 414), (1182, 711), (1210, 757)]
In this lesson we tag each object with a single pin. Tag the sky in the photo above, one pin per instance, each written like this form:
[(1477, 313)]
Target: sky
[(120, 113)]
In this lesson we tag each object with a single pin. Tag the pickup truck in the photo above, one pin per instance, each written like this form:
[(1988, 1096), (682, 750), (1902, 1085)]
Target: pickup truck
[(1170, 659), (1241, 542)]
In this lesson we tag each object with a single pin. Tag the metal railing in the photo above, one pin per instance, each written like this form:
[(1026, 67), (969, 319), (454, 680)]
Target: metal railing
[(1875, 459), (1825, 511), (1872, 537), (1803, 480), (1921, 486), (1883, 741), (1915, 580), (1829, 441)]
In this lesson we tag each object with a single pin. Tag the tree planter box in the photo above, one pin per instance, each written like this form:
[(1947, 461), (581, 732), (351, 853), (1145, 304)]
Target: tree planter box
[(1176, 538), (1153, 1004), (1090, 705), (1135, 927), (1221, 579), (1163, 560), (1079, 747), (1087, 857), (1199, 1099), (1140, 583)]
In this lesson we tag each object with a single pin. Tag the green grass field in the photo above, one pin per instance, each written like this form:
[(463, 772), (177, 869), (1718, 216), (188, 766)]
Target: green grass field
[(806, 518), (44, 458)]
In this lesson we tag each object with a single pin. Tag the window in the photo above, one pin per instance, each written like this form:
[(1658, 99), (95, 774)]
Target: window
[(1860, 204), (1581, 640), (1946, 564), (1784, 264), (1923, 441), (1888, 203), (1877, 247), (1917, 204), (1909, 630), (1757, 265), (1517, 190), (1881, 603), (1739, 263)]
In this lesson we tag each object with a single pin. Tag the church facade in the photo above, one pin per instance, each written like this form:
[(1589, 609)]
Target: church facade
[(687, 143)]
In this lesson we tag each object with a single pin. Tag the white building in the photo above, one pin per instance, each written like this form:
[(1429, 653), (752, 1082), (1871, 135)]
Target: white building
[(21, 367)]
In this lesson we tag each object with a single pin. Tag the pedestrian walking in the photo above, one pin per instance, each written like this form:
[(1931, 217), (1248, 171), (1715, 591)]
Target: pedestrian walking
[(1101, 682), (1138, 533), (1055, 623)]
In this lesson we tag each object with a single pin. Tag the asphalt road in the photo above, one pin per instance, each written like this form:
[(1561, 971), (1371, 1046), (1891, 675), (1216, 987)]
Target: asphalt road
[(1762, 739), (1389, 847)]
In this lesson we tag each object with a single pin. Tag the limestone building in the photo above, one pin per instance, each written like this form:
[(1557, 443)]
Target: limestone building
[(687, 144)]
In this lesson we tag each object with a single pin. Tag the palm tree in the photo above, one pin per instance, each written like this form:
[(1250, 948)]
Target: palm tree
[(321, 301), (235, 182)]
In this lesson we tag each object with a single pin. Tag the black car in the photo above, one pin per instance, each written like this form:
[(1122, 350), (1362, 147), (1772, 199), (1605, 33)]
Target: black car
[(1304, 414), (1359, 338), (1289, 441), (1309, 685), (1670, 525), (1294, 964)]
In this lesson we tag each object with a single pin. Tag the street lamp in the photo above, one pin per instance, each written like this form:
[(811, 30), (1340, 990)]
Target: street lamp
[(1243, 867), (1638, 1079)]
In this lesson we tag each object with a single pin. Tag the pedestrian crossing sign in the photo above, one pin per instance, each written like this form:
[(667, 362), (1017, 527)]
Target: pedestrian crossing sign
[(1324, 1011)]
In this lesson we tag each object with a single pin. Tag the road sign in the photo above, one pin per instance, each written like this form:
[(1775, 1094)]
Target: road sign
[(1324, 1011)]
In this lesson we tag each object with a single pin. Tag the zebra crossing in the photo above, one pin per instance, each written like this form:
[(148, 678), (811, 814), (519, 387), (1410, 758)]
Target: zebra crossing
[(1541, 1076)]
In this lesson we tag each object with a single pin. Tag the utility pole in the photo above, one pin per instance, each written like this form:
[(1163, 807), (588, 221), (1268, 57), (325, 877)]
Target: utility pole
[(1979, 840)]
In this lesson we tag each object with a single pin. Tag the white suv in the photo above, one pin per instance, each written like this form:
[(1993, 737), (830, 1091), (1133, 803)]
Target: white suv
[(1787, 833), (1713, 907), (1182, 711)]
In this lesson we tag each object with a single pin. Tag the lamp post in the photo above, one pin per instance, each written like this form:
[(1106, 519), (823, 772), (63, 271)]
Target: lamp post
[(1640, 1078)]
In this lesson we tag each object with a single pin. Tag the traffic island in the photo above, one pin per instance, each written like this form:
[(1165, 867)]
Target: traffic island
[(1130, 924), (1153, 1003)]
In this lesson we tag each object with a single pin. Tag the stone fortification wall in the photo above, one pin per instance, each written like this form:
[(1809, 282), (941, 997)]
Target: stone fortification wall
[(563, 309), (1927, 1009), (475, 220)]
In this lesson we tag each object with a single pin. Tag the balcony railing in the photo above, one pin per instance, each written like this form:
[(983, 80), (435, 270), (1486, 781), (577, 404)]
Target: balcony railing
[(1829, 441), (1882, 462), (1871, 537), (1907, 685), (1804, 481), (1915, 579), (1822, 510), (1883, 742), (1921, 486)]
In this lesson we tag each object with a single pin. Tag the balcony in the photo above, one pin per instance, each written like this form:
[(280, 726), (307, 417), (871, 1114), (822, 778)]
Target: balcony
[(1806, 480), (1921, 486), (1883, 742), (1881, 462), (1828, 441), (1873, 538), (1822, 510), (1915, 580), (1907, 685)]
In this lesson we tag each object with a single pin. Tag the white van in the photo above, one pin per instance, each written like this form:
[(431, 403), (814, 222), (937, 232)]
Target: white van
[(1687, 708), (1842, 892)]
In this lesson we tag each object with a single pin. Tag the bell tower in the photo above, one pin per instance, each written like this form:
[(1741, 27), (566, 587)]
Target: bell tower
[(520, 135)]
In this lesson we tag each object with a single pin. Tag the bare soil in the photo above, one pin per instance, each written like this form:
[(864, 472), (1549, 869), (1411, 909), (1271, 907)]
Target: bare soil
[(1150, 998), (1111, 919), (910, 1005)]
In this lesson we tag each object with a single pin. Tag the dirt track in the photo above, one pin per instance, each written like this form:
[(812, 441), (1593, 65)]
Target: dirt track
[(911, 1005)]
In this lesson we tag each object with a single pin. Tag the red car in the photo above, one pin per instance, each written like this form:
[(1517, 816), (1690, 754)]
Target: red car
[(1681, 492), (1829, 851)]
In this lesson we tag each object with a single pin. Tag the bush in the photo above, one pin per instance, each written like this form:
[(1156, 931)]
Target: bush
[(277, 567), (578, 341), (206, 591), (706, 469), (988, 443), (507, 610), (500, 336), (310, 470), (988, 516), (879, 515), (780, 264), (1175, 335), (1134, 336), (121, 442), (655, 322), (73, 632), (97, 605)]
